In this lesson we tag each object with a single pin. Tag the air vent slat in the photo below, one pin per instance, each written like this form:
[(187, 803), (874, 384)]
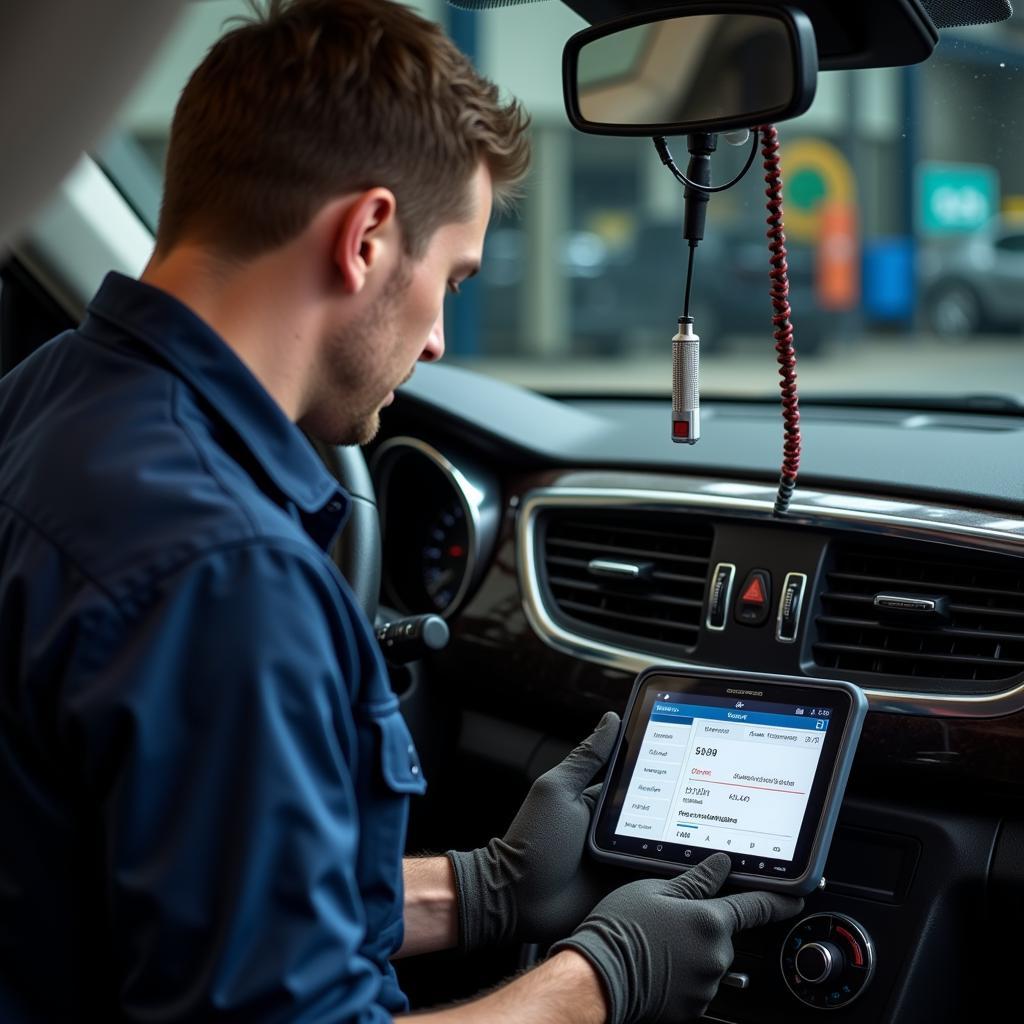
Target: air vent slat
[(679, 532), (966, 609), (573, 563), (973, 609), (567, 581), (881, 582), (976, 633), (969, 634), (623, 616), (658, 611), (678, 577), (622, 551), (670, 600), (890, 652), (581, 565)]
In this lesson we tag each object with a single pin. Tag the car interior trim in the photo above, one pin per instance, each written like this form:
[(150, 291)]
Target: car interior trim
[(755, 501), (107, 233)]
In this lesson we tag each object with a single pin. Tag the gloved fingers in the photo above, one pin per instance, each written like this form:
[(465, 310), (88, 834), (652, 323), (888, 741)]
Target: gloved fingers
[(590, 795), (753, 909), (702, 881), (582, 764)]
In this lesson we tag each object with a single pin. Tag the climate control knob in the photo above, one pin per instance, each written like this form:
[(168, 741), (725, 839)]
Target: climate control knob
[(827, 960), (818, 962)]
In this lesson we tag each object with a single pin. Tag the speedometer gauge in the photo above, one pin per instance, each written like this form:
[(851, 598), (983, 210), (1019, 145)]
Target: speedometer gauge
[(445, 556), (439, 524)]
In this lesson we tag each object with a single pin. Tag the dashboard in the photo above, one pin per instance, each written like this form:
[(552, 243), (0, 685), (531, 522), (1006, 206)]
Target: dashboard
[(570, 545)]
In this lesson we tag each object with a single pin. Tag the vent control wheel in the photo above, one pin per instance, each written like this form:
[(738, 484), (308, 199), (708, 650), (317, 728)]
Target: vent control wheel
[(827, 961)]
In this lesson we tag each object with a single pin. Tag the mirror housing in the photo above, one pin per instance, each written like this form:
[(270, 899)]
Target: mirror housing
[(705, 67)]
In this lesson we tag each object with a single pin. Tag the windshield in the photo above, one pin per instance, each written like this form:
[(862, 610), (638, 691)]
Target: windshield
[(904, 216)]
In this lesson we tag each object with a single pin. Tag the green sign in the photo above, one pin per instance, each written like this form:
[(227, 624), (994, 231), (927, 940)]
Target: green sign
[(955, 198)]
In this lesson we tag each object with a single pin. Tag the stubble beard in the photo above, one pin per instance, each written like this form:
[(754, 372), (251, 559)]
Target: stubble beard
[(351, 411)]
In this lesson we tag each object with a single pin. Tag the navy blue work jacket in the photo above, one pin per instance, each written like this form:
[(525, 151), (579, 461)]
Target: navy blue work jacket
[(204, 774)]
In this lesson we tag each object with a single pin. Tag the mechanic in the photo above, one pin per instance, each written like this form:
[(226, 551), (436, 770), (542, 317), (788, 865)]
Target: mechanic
[(205, 772)]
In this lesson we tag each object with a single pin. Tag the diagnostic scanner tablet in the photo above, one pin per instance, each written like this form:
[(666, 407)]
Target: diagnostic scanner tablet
[(711, 761)]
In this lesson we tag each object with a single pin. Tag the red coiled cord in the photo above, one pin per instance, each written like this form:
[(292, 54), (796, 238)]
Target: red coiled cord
[(781, 318)]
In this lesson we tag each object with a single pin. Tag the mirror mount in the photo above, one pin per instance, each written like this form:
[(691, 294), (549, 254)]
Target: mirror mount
[(701, 146)]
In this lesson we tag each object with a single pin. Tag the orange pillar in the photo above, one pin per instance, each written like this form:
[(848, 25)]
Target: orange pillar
[(837, 268)]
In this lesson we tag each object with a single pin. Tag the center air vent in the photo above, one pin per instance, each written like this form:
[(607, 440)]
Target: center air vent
[(914, 611), (623, 576)]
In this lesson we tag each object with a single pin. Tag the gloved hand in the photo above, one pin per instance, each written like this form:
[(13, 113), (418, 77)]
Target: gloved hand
[(661, 946), (536, 884)]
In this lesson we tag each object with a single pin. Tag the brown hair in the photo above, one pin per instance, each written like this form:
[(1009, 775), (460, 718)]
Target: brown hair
[(317, 98)]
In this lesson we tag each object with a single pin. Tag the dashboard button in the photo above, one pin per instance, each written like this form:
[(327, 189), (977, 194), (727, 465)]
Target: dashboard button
[(720, 595), (791, 600), (753, 603)]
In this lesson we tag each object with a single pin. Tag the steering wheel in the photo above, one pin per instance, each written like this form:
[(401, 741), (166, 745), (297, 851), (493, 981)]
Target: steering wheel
[(357, 552)]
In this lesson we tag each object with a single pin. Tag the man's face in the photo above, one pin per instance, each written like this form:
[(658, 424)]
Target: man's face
[(367, 359)]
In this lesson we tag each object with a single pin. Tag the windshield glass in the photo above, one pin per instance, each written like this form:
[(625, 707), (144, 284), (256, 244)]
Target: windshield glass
[(904, 217)]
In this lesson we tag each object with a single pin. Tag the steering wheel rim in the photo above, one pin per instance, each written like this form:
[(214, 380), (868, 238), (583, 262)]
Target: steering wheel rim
[(357, 551)]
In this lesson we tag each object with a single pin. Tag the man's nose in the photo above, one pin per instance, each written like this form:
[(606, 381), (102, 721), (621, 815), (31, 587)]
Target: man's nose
[(434, 348)]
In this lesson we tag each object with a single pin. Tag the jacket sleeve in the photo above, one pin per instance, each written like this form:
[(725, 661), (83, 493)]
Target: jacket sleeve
[(218, 746)]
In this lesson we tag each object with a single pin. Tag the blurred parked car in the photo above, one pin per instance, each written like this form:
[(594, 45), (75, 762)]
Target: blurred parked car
[(975, 283)]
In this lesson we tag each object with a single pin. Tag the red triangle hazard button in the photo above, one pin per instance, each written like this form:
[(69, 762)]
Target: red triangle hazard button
[(752, 604)]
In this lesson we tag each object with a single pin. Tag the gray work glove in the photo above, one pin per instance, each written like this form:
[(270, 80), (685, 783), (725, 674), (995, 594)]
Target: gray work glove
[(661, 946), (536, 884)]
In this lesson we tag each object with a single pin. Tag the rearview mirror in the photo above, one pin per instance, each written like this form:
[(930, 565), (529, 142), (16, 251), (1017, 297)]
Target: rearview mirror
[(704, 68)]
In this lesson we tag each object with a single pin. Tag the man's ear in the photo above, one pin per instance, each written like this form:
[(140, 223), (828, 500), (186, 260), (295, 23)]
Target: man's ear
[(367, 237)]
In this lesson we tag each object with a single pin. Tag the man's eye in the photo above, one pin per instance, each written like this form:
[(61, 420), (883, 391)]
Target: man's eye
[(453, 287)]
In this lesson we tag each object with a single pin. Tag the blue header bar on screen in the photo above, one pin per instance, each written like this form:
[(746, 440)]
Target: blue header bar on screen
[(666, 712)]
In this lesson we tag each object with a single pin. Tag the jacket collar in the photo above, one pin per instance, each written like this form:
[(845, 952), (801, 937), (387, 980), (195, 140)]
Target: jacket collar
[(126, 309)]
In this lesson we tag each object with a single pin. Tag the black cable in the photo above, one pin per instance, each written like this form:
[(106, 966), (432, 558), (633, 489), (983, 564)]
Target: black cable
[(666, 158), (689, 281)]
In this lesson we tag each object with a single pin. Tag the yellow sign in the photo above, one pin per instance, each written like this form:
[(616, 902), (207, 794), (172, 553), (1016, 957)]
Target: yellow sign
[(1013, 208), (815, 174)]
